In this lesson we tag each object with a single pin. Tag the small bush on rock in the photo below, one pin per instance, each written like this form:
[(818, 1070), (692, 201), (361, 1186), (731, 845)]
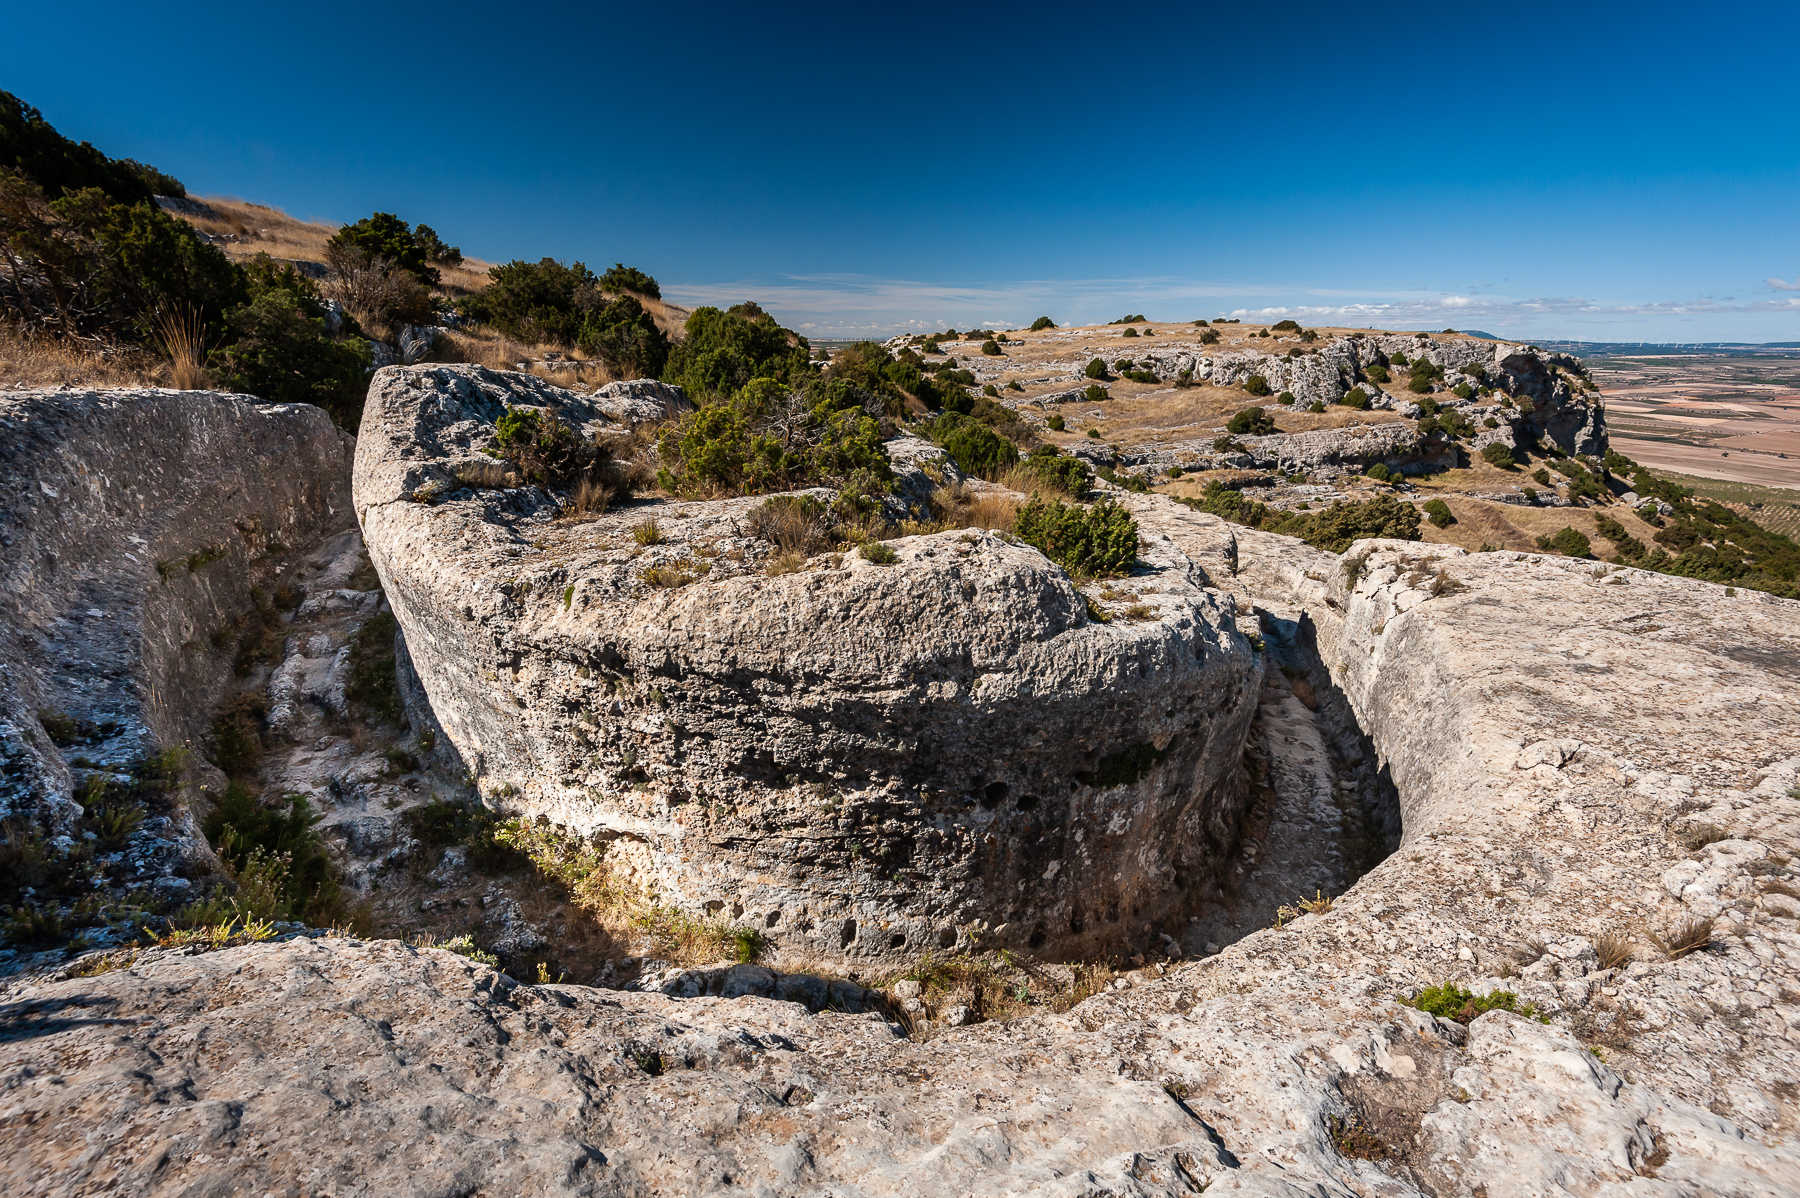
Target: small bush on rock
[(1257, 385), (1450, 1001), (1090, 542), (1096, 369)]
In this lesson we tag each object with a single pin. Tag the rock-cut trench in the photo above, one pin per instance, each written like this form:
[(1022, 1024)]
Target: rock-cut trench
[(1323, 810)]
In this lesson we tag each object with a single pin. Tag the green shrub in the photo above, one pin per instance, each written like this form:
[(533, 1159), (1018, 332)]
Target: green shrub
[(1060, 471), (1139, 318), (1088, 542), (1356, 398), (1251, 421), (277, 347), (1498, 454), (82, 265), (1257, 385), (1055, 424), (1334, 528), (1286, 397), (1439, 513), (732, 447), (1450, 1001), (546, 451), (973, 446), (1567, 542), (1397, 358), (1142, 376), (1377, 373), (622, 278), (1317, 405), (437, 251), (1382, 474), (1285, 326), (1462, 391), (1041, 323), (1209, 337), (1095, 393), (879, 553), (1129, 333), (1096, 369), (277, 858), (385, 237), (991, 348), (623, 335), (1628, 546), (31, 146), (542, 301)]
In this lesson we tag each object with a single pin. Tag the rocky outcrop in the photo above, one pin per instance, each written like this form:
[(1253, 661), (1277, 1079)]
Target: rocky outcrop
[(862, 760), (140, 533), (1582, 752)]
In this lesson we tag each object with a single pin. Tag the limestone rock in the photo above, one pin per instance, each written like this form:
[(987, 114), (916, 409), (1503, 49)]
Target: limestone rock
[(867, 759)]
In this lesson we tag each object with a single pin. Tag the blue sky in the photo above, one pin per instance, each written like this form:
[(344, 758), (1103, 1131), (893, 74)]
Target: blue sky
[(1585, 170)]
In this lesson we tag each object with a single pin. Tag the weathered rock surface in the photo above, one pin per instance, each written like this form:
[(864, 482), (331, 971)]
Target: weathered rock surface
[(1553, 728), (138, 530), (862, 760)]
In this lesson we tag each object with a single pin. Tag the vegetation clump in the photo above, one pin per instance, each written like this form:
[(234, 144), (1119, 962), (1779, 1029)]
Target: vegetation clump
[(1566, 541), (1257, 385), (1251, 421), (1088, 541), (1041, 323), (1438, 512), (1334, 528), (1498, 454), (1450, 1001)]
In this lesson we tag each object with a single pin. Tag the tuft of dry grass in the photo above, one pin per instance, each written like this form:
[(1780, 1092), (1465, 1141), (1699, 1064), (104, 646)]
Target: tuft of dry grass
[(647, 532), (182, 340), (1697, 836), (1688, 936), (1612, 950), (794, 526)]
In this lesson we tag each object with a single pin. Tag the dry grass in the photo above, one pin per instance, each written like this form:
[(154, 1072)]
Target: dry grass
[(182, 340), (30, 360), (794, 527), (961, 506), (1688, 936), (1612, 950)]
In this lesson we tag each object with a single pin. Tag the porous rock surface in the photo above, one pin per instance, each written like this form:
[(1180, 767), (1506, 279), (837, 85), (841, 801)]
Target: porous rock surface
[(862, 760), (1552, 726), (136, 529)]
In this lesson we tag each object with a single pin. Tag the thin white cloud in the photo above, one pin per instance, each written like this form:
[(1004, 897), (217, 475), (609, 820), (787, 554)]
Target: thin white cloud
[(1783, 284), (842, 305)]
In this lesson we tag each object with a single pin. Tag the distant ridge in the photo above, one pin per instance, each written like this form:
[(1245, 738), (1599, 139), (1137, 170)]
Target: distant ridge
[(1724, 348)]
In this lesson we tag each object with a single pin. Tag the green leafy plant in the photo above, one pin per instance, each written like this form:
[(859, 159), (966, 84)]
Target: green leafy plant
[(1450, 1001), (1439, 513), (1251, 421), (1257, 385), (1094, 541), (1041, 323)]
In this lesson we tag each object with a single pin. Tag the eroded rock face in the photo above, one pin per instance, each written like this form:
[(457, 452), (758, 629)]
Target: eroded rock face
[(138, 530), (863, 760), (1552, 726)]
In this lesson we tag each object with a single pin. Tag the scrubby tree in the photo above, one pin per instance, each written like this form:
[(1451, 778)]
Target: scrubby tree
[(385, 237), (622, 278), (1042, 323), (625, 337)]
